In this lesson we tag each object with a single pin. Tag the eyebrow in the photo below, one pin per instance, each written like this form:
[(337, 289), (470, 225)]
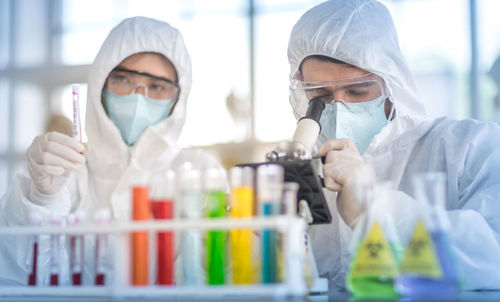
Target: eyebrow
[(361, 84), (146, 74)]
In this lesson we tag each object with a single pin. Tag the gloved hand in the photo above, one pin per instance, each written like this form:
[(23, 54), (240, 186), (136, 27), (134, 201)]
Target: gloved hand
[(344, 171), (51, 158)]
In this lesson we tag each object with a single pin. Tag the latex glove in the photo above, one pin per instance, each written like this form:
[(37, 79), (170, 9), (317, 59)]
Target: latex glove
[(51, 158), (345, 172)]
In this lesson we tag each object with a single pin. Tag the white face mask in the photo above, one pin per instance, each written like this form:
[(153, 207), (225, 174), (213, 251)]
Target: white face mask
[(359, 122)]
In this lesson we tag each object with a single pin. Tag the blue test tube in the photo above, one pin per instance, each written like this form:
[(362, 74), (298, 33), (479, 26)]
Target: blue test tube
[(270, 188), (190, 198)]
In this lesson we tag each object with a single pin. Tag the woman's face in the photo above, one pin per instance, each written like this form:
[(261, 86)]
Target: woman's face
[(149, 74)]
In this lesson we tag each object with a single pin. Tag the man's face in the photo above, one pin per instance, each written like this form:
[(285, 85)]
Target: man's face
[(315, 70)]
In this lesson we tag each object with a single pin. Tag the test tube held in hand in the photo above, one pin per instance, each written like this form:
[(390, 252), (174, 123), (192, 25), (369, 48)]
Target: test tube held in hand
[(35, 220), (102, 216), (76, 248), (77, 127), (162, 202), (141, 210)]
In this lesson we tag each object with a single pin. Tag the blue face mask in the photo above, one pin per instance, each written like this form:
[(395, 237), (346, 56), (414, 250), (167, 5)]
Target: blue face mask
[(359, 123), (134, 113)]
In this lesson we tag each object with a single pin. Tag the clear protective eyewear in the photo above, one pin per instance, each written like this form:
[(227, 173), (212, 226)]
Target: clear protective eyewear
[(123, 81), (360, 89)]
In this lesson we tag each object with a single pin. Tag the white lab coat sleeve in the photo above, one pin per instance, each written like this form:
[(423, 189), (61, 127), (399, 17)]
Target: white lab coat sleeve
[(476, 220), (16, 205)]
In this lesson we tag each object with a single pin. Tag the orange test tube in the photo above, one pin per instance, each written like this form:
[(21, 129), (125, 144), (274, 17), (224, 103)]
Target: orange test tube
[(140, 211)]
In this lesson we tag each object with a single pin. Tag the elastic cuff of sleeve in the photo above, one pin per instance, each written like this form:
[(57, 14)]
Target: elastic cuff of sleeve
[(40, 198), (355, 221)]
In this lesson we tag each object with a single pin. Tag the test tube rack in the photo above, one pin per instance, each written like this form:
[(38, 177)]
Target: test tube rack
[(291, 228)]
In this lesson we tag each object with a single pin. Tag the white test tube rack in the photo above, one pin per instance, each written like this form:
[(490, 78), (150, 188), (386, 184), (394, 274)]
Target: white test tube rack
[(292, 229)]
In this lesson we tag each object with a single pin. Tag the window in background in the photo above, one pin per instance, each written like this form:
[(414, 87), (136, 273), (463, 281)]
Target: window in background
[(219, 49), (274, 119), (4, 33), (4, 177), (437, 50), (31, 37), (489, 52), (4, 116), (30, 113), (85, 25)]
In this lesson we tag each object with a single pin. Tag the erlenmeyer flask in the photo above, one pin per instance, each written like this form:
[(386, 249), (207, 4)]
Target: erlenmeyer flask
[(375, 247), (428, 267)]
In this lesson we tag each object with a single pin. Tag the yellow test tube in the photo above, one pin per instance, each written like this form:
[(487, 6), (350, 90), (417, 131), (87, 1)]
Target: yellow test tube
[(242, 204)]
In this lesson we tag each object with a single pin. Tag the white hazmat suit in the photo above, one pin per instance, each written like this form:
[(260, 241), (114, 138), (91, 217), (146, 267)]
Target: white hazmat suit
[(111, 166), (362, 33)]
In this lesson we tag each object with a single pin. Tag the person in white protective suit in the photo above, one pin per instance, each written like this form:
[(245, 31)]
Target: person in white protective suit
[(136, 108), (374, 129)]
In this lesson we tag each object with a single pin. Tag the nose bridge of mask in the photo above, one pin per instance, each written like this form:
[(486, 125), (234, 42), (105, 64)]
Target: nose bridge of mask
[(144, 86)]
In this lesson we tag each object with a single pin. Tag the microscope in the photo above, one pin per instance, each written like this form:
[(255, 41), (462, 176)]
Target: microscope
[(296, 158)]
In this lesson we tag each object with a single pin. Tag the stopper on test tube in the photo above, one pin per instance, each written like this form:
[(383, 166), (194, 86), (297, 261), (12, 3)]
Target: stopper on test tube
[(163, 185), (270, 180), (215, 179), (102, 216), (189, 177), (241, 177)]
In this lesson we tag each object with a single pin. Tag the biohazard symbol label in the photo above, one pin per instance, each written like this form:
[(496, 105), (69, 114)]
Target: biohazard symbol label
[(375, 256), (420, 255)]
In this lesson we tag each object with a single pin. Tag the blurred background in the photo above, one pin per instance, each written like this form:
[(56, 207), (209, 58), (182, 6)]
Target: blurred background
[(238, 107)]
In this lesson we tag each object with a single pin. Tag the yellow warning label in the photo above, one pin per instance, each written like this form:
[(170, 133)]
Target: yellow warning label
[(374, 256), (420, 255)]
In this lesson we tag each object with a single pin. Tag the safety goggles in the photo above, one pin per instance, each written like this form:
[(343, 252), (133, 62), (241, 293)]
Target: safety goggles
[(349, 92), (123, 81)]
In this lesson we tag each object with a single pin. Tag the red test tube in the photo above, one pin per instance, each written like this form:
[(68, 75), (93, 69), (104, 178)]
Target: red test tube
[(55, 251), (76, 248), (102, 216), (162, 201), (35, 220)]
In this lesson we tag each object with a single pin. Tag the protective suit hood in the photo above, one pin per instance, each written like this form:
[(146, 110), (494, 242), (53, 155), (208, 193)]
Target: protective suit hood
[(131, 36), (360, 33)]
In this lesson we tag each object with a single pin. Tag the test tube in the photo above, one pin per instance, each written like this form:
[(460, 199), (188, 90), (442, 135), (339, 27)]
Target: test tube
[(242, 205), (189, 184), (35, 220), (290, 190), (76, 248), (216, 207), (270, 187), (55, 251), (102, 216), (162, 202), (77, 127), (141, 210)]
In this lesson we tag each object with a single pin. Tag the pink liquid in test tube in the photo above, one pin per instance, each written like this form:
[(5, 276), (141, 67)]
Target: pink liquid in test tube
[(55, 251), (76, 243), (77, 127), (101, 248), (35, 220)]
